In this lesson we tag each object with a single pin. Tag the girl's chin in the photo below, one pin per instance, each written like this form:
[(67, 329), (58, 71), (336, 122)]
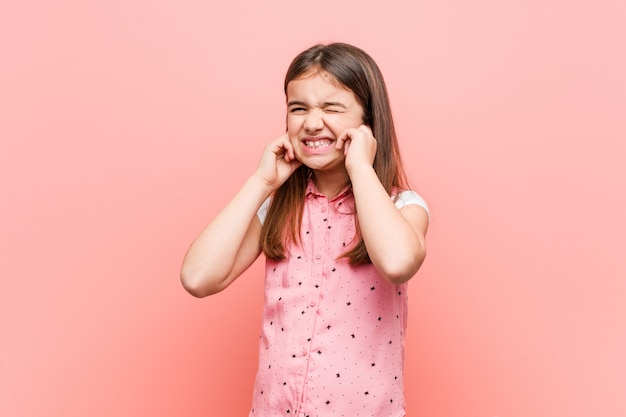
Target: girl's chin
[(322, 164)]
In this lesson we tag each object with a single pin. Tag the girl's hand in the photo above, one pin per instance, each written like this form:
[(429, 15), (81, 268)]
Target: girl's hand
[(359, 146), (277, 163)]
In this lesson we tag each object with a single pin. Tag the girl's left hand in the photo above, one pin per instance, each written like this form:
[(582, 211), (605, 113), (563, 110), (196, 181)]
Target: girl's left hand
[(359, 146)]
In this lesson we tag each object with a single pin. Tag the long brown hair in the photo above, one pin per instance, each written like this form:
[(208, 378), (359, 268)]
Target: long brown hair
[(356, 70)]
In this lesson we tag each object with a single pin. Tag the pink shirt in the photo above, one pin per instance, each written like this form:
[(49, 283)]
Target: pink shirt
[(332, 339)]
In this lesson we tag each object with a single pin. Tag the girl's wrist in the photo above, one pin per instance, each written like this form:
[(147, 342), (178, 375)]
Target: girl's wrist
[(355, 171), (257, 181)]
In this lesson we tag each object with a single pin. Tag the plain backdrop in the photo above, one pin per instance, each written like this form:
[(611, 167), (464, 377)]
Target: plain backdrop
[(125, 125)]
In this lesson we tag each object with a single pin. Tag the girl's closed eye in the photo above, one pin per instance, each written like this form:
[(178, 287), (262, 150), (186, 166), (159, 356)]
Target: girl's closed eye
[(297, 110), (335, 107)]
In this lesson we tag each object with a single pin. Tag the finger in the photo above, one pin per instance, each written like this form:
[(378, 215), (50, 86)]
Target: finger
[(279, 146), (343, 138), (346, 147), (289, 152), (366, 129)]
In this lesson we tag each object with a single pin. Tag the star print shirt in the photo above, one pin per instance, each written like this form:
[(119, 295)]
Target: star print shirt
[(332, 338)]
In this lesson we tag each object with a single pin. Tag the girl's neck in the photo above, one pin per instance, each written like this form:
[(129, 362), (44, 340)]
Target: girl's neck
[(330, 183)]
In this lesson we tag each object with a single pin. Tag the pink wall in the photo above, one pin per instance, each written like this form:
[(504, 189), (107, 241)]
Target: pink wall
[(125, 125)]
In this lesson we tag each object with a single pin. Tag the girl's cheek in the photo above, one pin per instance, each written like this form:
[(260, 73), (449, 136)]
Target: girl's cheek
[(293, 139), (292, 126)]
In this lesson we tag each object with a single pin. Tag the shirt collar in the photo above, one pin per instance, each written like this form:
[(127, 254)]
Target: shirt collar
[(313, 192)]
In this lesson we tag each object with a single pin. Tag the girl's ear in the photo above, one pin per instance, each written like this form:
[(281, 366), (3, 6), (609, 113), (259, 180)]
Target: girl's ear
[(366, 118)]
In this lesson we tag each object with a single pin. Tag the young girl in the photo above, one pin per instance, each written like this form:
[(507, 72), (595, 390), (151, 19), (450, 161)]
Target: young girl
[(330, 208)]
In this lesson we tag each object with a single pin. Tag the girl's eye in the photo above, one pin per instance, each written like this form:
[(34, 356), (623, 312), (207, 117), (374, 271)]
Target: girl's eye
[(332, 110), (296, 110)]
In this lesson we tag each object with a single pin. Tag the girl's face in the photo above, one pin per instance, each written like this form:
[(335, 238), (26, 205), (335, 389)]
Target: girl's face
[(319, 110)]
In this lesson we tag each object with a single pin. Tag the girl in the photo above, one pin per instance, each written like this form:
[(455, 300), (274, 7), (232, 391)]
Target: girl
[(329, 206)]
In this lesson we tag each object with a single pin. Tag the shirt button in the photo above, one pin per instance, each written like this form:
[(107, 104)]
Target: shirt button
[(303, 352), (318, 256), (312, 303), (323, 209)]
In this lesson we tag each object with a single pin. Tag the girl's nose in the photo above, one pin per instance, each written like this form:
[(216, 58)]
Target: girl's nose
[(314, 122)]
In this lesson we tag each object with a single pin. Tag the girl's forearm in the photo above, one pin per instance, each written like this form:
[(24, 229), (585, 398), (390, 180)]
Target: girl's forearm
[(228, 245)]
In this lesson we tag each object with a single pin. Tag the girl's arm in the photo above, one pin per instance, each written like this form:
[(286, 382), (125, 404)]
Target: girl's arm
[(230, 243), (395, 239)]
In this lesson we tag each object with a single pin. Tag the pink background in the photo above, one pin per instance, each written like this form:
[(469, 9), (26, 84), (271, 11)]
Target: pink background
[(125, 125)]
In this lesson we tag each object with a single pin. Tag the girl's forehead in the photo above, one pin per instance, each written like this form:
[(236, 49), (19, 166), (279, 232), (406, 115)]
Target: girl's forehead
[(325, 75)]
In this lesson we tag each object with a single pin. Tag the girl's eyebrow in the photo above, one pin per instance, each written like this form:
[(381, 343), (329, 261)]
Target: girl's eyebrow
[(334, 103), (326, 104)]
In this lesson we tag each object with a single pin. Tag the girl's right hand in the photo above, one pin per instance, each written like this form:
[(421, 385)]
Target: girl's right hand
[(277, 163)]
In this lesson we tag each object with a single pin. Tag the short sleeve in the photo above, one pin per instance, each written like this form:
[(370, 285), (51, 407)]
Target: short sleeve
[(406, 198), (262, 211)]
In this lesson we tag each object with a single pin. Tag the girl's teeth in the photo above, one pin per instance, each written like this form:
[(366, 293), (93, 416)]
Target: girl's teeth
[(317, 143)]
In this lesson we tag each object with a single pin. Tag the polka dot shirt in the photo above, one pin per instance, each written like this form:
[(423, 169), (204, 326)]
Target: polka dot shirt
[(332, 338)]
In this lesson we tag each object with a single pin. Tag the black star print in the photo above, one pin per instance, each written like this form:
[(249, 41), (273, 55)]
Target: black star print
[(380, 318), (367, 393), (319, 352), (348, 303), (327, 402), (334, 269), (373, 288), (300, 283), (317, 286), (328, 327), (373, 364), (293, 356), (353, 336), (284, 383), (302, 312), (337, 377), (329, 227)]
